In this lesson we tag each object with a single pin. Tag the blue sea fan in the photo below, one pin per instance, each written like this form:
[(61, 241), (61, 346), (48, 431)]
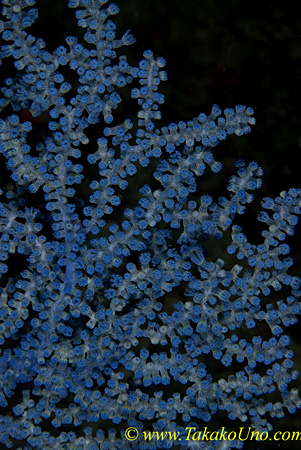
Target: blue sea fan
[(117, 313)]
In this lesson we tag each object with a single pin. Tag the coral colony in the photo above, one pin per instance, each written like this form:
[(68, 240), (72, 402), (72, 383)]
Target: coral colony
[(117, 313)]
